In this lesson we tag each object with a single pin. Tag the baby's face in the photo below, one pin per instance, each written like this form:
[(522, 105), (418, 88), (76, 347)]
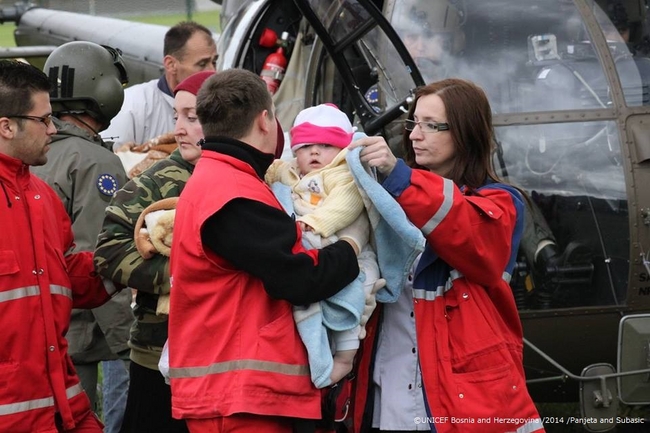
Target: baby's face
[(315, 156)]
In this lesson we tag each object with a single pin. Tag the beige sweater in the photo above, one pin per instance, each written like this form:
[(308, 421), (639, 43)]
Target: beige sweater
[(327, 199)]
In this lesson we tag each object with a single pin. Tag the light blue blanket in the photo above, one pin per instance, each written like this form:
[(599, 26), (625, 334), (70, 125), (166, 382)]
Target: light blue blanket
[(396, 240), (340, 312), (397, 243)]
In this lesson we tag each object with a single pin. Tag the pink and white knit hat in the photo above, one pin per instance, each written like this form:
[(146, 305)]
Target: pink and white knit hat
[(322, 124)]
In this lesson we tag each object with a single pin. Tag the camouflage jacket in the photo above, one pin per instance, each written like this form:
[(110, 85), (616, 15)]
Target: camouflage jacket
[(117, 258)]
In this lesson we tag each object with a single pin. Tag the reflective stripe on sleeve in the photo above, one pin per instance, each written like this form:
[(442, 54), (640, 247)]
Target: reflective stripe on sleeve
[(531, 426), (243, 364), (24, 406), (431, 295), (60, 290), (40, 403), (445, 207), (74, 391), (23, 292)]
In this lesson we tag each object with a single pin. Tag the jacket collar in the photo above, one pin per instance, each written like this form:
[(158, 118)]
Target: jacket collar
[(13, 170), (259, 161), (14, 177), (68, 129), (163, 85)]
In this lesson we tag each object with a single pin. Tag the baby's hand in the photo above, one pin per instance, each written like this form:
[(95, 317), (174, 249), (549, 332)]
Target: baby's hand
[(370, 305), (343, 363), (304, 227)]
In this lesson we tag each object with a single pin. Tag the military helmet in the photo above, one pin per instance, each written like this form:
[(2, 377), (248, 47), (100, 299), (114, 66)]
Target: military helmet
[(87, 78)]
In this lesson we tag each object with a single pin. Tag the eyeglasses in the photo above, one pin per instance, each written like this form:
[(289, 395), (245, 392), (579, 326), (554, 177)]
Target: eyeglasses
[(45, 120), (409, 125)]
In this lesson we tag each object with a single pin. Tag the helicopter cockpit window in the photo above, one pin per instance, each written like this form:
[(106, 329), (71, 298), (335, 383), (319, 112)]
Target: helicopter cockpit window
[(527, 55), (432, 32), (573, 174), (624, 27), (533, 56)]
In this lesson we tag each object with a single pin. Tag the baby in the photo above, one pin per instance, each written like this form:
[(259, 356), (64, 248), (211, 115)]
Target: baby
[(328, 205)]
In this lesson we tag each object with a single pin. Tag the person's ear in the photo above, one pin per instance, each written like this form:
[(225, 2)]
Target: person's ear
[(170, 63), (7, 130), (264, 121)]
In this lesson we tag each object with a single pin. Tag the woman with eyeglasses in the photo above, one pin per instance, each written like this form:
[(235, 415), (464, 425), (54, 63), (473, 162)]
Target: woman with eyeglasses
[(449, 357)]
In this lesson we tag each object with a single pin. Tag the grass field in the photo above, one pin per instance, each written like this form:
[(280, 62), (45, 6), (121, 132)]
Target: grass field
[(209, 19)]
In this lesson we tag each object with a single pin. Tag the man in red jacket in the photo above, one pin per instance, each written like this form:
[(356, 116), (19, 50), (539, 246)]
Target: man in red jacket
[(237, 362), (40, 282)]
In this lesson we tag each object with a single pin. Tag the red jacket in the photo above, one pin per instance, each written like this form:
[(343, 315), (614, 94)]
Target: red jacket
[(468, 330), (39, 285), (233, 349)]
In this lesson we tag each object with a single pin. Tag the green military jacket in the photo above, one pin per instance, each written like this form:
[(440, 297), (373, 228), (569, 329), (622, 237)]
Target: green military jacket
[(117, 258)]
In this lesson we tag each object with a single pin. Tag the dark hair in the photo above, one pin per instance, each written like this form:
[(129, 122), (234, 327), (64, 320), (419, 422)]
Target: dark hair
[(229, 102), (18, 82), (176, 37), (470, 124)]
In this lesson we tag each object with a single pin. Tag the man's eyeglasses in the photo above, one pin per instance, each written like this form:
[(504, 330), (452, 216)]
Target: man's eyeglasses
[(45, 120), (410, 125)]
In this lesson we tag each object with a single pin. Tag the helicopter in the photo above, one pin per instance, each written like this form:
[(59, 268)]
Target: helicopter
[(569, 85)]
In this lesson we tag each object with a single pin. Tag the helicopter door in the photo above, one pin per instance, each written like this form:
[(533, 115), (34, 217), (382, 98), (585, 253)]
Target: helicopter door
[(370, 62)]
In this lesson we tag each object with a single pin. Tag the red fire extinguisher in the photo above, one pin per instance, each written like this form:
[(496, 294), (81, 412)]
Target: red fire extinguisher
[(274, 66)]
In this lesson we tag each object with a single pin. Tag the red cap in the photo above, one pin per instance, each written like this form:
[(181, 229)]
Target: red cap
[(193, 83)]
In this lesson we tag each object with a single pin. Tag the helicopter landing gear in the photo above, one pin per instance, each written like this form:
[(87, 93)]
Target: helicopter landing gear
[(556, 273)]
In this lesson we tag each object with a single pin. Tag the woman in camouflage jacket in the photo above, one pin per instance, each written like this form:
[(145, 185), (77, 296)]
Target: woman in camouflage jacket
[(117, 258)]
